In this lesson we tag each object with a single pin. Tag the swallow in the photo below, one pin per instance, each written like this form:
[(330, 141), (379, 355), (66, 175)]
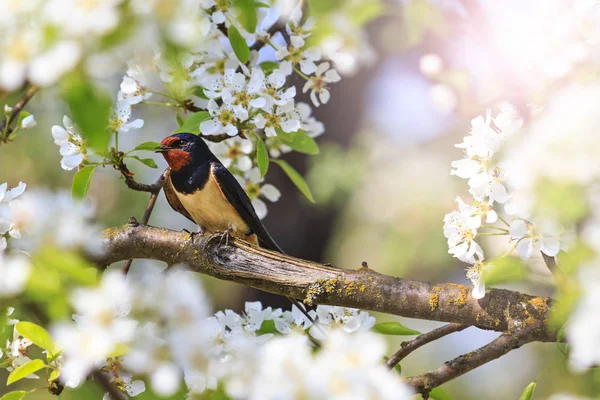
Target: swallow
[(200, 188)]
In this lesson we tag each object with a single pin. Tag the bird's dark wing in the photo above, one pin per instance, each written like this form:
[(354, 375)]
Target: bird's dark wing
[(173, 200), (238, 198)]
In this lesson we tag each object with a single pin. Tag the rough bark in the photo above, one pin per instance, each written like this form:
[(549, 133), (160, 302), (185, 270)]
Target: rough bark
[(234, 260)]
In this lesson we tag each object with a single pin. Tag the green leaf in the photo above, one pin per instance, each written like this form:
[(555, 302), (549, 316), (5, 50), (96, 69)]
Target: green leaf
[(268, 326), (192, 124), (81, 182), (528, 392), (299, 141), (147, 146), (54, 375), (560, 337), (91, 109), (269, 66), (247, 14), (238, 44), (439, 394), (296, 178), (24, 370), (22, 116), (38, 335), (506, 269), (18, 395), (146, 161), (394, 328), (178, 119), (262, 156)]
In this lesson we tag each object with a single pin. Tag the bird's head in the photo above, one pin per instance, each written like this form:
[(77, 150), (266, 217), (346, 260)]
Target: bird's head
[(183, 149)]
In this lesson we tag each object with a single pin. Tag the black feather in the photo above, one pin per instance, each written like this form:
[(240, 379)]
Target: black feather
[(238, 198)]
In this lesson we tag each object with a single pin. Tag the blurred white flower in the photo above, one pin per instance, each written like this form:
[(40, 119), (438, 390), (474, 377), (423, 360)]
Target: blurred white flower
[(51, 65), (348, 366), (583, 329), (529, 238), (83, 18), (14, 272), (431, 64), (72, 147), (443, 98)]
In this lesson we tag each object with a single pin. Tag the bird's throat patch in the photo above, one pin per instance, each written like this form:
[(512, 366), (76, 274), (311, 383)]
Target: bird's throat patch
[(177, 159)]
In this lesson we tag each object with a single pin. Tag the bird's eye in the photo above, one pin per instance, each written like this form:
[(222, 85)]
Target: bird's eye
[(182, 143)]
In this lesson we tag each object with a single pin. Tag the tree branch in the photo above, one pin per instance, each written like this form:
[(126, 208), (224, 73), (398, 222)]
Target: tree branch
[(140, 187), (148, 212), (500, 310), (469, 361), (104, 381), (408, 347), (5, 125)]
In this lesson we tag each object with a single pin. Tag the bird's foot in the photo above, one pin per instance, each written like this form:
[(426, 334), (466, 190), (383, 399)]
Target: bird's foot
[(200, 232)]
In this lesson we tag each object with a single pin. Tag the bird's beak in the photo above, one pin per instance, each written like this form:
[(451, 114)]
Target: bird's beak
[(163, 149)]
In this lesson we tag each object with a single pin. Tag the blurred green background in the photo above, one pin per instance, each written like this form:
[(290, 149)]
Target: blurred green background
[(382, 187)]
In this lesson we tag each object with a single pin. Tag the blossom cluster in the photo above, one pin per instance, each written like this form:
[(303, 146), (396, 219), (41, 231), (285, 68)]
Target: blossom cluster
[(161, 329), (245, 101), (487, 176), (30, 220)]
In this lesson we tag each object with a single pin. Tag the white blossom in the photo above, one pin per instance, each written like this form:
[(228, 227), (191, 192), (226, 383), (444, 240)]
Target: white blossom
[(120, 121), (278, 117), (234, 153), (132, 91), (317, 84), (256, 190), (72, 147), (529, 238), (28, 122), (295, 55), (461, 231), (348, 319), (223, 121)]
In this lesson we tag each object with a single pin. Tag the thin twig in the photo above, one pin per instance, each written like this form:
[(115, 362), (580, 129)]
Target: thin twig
[(216, 138), (16, 110), (22, 103), (408, 347), (278, 26), (104, 381), (134, 185), (148, 213), (469, 361)]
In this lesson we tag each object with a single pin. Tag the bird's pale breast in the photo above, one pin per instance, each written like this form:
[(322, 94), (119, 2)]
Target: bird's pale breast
[(210, 209)]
